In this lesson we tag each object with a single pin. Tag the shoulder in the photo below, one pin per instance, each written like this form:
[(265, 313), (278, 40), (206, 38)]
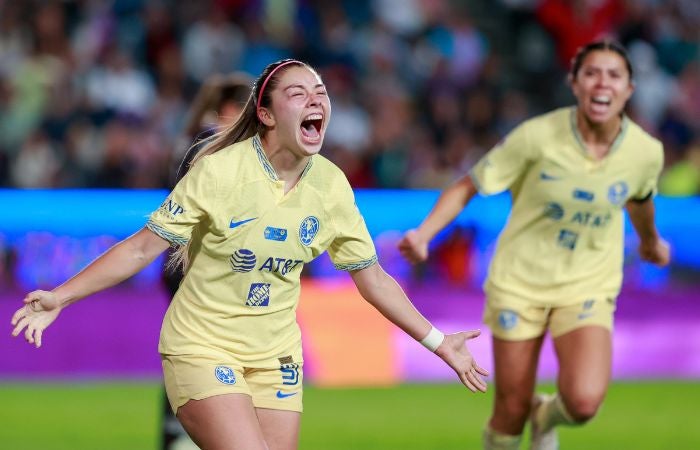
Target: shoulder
[(330, 184), (644, 146), (550, 124)]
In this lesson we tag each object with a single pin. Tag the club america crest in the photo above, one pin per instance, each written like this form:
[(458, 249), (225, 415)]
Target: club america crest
[(308, 230)]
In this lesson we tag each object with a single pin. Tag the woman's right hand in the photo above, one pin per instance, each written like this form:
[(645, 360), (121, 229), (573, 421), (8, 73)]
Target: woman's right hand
[(414, 247), (40, 309)]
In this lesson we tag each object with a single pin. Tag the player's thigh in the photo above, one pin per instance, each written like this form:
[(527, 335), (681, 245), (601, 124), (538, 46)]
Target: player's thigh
[(585, 360), (277, 396), (280, 428), (515, 367), (582, 339), (223, 422)]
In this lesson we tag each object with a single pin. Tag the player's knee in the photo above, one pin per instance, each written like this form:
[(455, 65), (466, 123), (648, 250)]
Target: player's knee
[(583, 408), (515, 408)]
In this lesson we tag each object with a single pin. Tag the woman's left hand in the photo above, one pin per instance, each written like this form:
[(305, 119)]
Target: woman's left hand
[(656, 251), (455, 353)]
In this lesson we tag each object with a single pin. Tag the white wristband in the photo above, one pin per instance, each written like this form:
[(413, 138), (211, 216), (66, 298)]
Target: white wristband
[(433, 340)]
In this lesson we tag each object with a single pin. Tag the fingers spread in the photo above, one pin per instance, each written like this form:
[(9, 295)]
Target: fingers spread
[(18, 315), (20, 325), (37, 337), (465, 381)]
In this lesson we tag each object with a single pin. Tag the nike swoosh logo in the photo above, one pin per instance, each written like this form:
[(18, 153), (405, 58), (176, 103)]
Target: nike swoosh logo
[(236, 224), (547, 177), (281, 394)]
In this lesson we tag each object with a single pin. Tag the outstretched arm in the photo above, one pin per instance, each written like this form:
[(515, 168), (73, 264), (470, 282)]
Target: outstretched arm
[(385, 294), (117, 264), (652, 247), (414, 245)]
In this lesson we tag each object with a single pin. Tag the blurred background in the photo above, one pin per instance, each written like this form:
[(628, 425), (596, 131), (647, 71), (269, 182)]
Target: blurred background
[(96, 101)]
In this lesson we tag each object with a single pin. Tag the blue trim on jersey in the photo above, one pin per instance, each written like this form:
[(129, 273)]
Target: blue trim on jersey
[(358, 265), (267, 166), (165, 234), (269, 170), (616, 143)]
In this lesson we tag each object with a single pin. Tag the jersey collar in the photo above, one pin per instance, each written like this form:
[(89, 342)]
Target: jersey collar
[(579, 139), (267, 166)]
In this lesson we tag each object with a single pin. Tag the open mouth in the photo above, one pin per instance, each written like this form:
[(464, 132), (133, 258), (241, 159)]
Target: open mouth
[(311, 126), (603, 100)]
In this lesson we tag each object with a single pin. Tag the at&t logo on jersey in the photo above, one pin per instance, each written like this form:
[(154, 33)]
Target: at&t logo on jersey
[(259, 294), (308, 230), (242, 260), (225, 375)]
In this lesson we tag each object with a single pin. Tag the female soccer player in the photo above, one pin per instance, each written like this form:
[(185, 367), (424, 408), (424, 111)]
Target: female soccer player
[(558, 262), (256, 205)]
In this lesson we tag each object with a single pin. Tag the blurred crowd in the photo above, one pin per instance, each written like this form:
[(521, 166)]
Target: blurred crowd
[(96, 93)]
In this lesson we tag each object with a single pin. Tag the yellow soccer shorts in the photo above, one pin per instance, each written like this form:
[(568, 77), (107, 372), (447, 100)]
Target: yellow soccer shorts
[(515, 319), (196, 377)]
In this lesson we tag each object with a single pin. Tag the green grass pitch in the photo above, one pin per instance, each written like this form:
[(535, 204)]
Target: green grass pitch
[(644, 415)]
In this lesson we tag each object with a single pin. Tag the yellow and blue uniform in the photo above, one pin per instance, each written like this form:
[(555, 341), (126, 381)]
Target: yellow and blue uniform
[(563, 243), (249, 242)]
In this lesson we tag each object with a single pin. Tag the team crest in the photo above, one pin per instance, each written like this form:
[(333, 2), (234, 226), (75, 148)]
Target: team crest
[(617, 193), (308, 230), (507, 319), (225, 375)]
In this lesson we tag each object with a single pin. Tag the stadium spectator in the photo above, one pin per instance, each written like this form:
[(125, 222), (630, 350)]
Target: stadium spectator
[(257, 204), (558, 264)]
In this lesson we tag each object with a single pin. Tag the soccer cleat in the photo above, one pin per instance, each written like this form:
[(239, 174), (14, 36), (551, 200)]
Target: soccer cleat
[(542, 439)]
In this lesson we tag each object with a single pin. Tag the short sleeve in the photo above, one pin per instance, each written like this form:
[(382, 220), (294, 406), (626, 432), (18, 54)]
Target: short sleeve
[(504, 164), (189, 203), (650, 177), (352, 248)]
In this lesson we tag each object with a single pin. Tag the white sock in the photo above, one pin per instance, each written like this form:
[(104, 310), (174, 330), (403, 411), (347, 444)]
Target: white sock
[(493, 440), (552, 412)]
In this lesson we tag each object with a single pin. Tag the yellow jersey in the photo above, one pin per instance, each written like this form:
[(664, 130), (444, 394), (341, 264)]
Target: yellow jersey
[(563, 241), (248, 244)]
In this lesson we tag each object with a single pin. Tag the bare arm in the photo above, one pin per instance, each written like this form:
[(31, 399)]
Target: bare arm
[(385, 294), (414, 245), (117, 264), (651, 247)]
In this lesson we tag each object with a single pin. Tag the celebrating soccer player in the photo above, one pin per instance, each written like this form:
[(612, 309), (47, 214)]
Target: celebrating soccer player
[(256, 205), (558, 263)]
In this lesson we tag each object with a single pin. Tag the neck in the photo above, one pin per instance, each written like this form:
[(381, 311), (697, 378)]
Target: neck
[(288, 166), (598, 137)]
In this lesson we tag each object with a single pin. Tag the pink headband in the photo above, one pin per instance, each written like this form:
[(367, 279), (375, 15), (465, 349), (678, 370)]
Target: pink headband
[(272, 72)]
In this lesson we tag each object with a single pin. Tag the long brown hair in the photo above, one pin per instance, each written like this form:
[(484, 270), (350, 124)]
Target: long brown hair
[(245, 127)]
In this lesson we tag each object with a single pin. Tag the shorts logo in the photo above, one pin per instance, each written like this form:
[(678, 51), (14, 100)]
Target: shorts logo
[(225, 375), (290, 374), (281, 394), (275, 234), (507, 319), (242, 260), (259, 294), (617, 193), (308, 230)]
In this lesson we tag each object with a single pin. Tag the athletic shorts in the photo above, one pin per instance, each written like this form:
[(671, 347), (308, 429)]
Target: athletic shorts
[(196, 377), (514, 319)]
